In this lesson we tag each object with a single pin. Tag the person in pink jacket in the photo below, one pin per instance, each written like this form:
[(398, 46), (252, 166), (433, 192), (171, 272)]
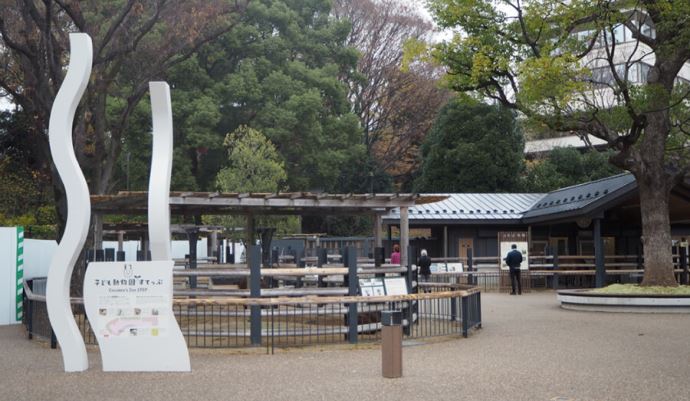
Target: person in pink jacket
[(395, 256)]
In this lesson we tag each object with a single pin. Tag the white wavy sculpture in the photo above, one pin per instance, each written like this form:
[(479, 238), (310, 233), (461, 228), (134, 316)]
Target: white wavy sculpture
[(161, 170), (132, 314), (78, 204), (128, 304)]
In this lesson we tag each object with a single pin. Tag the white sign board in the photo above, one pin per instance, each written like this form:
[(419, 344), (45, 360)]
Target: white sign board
[(129, 306), (506, 239), (395, 286), (455, 267), (372, 287)]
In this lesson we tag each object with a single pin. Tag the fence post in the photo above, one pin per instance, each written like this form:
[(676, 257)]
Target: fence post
[(470, 266), (465, 315), (682, 250), (192, 235), (254, 253), (554, 278), (479, 310), (412, 278), (322, 260), (351, 254), (30, 316), (453, 309)]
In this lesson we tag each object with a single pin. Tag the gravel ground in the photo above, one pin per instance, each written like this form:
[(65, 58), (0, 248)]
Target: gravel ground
[(528, 349)]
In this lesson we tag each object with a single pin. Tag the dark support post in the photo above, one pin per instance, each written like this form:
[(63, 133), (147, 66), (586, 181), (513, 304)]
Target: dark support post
[(255, 292), (53, 339), (379, 256), (554, 278), (640, 264), (479, 309), (412, 278), (320, 261), (29, 316), (351, 254), (454, 309), (465, 310), (683, 252), (600, 278), (470, 278), (120, 256), (192, 236)]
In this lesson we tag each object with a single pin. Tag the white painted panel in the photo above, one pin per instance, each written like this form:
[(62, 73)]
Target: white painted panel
[(37, 256), (8, 268)]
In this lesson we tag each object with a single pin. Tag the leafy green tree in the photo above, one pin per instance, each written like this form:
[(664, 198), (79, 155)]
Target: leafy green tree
[(564, 167), (279, 72), (254, 165), (565, 64), (472, 147), (134, 42), (25, 195)]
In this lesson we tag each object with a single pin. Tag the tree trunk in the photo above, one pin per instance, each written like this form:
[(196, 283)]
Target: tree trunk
[(656, 230)]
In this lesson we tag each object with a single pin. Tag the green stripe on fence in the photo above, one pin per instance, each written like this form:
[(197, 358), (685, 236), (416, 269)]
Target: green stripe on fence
[(20, 273)]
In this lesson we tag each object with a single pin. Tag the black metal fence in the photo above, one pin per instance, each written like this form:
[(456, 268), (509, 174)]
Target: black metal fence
[(442, 310)]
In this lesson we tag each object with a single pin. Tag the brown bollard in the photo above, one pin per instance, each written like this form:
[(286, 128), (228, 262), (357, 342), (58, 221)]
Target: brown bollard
[(391, 344)]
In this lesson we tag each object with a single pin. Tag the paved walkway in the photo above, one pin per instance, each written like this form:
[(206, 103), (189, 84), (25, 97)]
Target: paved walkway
[(529, 349)]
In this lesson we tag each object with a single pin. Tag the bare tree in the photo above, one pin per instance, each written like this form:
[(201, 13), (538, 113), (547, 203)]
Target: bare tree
[(395, 107), (135, 41)]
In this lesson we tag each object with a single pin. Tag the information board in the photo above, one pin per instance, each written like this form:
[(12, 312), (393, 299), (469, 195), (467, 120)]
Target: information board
[(395, 286), (129, 306), (505, 243), (372, 287)]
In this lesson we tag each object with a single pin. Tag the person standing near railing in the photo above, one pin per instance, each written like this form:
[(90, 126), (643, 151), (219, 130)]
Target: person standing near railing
[(424, 264), (513, 260), (395, 256)]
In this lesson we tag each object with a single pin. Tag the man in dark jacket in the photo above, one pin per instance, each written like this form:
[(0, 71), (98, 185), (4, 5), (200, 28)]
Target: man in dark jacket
[(424, 264), (513, 260)]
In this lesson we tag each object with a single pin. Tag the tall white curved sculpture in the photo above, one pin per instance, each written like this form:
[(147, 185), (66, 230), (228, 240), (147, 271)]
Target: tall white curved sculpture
[(78, 204), (161, 170), (129, 304)]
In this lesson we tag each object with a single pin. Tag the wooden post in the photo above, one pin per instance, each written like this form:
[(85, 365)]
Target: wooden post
[(97, 231), (248, 238), (391, 344), (378, 240), (404, 235), (120, 241), (255, 292)]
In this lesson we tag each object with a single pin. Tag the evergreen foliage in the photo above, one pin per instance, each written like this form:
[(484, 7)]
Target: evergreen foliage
[(472, 147)]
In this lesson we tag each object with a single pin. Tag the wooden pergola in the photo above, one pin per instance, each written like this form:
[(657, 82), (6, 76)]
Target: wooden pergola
[(282, 203)]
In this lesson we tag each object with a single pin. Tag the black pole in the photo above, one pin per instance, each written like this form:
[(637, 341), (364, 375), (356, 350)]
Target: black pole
[(352, 282), (683, 253), (470, 268), (254, 253), (599, 255), (192, 236)]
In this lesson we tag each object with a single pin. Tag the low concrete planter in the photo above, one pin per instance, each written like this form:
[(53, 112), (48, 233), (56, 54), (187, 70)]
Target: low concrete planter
[(585, 300)]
